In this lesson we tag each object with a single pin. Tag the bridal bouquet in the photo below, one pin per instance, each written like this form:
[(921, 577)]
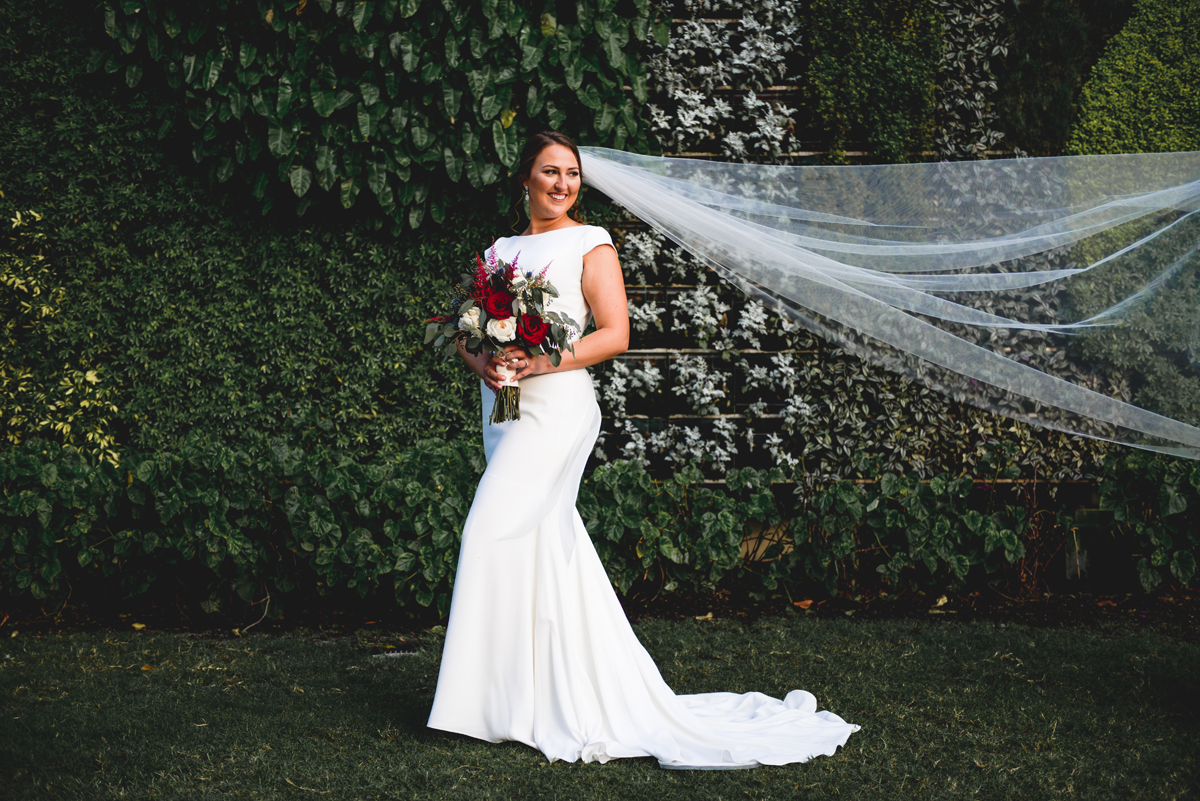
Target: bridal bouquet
[(495, 306)]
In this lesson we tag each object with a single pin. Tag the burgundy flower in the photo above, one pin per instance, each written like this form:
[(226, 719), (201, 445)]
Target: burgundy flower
[(498, 305), (532, 329)]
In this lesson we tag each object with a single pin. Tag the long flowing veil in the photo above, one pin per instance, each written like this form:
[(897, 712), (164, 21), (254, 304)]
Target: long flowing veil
[(919, 267)]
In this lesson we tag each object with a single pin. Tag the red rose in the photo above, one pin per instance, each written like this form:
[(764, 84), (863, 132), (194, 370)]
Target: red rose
[(532, 329), (498, 305)]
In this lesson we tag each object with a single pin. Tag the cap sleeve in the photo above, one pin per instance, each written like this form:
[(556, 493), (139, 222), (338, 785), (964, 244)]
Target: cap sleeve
[(594, 237)]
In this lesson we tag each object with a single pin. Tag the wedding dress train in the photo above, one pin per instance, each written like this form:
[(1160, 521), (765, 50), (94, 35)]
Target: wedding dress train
[(538, 649)]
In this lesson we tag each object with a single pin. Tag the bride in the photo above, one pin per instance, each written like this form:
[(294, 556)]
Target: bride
[(538, 649)]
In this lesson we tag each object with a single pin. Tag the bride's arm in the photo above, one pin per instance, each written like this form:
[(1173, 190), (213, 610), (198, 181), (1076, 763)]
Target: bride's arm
[(604, 291), (480, 365)]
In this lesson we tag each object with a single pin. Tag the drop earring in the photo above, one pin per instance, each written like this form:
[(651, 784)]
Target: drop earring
[(527, 194)]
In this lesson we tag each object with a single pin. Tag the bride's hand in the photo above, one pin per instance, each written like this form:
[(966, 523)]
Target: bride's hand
[(526, 365)]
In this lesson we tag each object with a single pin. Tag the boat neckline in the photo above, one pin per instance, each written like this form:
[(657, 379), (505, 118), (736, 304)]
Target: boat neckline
[(552, 231)]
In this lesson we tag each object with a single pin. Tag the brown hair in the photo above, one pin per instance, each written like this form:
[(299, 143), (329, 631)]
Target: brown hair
[(533, 146)]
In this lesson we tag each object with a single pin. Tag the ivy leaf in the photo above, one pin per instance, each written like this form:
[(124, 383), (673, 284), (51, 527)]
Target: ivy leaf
[(506, 144), (301, 179)]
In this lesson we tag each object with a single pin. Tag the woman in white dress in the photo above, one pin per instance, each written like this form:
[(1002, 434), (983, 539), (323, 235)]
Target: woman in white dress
[(537, 648)]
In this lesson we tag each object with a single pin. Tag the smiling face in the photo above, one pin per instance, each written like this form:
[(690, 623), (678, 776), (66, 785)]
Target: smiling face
[(553, 183)]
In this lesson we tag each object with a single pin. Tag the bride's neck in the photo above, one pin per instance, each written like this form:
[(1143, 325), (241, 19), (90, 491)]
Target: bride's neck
[(541, 225)]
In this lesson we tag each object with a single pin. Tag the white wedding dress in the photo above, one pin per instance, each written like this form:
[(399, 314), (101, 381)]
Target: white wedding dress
[(537, 648)]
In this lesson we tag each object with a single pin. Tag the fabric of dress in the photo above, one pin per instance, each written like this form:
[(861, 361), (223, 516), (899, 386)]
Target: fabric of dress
[(538, 649)]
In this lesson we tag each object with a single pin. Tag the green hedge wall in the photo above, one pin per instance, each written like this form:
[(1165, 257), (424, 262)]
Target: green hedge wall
[(286, 521), (193, 310), (1054, 45), (1144, 97), (419, 104)]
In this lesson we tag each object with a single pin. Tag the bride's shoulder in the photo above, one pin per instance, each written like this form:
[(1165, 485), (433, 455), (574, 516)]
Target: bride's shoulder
[(593, 236)]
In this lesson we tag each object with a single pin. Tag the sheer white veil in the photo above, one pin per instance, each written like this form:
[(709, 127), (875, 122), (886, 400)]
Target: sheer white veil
[(907, 265)]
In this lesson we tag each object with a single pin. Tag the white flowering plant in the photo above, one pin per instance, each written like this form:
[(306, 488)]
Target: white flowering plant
[(495, 306)]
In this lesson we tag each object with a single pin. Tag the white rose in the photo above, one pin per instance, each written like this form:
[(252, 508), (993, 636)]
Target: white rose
[(469, 322), (502, 330)]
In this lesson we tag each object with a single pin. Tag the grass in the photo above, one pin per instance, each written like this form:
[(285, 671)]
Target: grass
[(948, 711)]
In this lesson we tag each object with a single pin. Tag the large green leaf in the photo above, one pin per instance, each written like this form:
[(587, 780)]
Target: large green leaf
[(507, 147), (324, 101), (279, 140), (421, 137), (409, 7), (377, 176), (301, 179), (365, 122)]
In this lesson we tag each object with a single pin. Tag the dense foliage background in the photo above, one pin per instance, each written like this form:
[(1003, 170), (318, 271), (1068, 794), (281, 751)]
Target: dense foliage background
[(241, 391)]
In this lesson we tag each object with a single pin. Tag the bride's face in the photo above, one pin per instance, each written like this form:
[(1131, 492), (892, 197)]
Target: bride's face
[(553, 182)]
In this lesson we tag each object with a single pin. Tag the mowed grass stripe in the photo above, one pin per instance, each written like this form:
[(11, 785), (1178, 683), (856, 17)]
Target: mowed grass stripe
[(948, 711)]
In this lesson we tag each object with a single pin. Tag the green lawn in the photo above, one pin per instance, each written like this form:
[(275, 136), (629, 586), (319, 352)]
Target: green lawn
[(948, 711)]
